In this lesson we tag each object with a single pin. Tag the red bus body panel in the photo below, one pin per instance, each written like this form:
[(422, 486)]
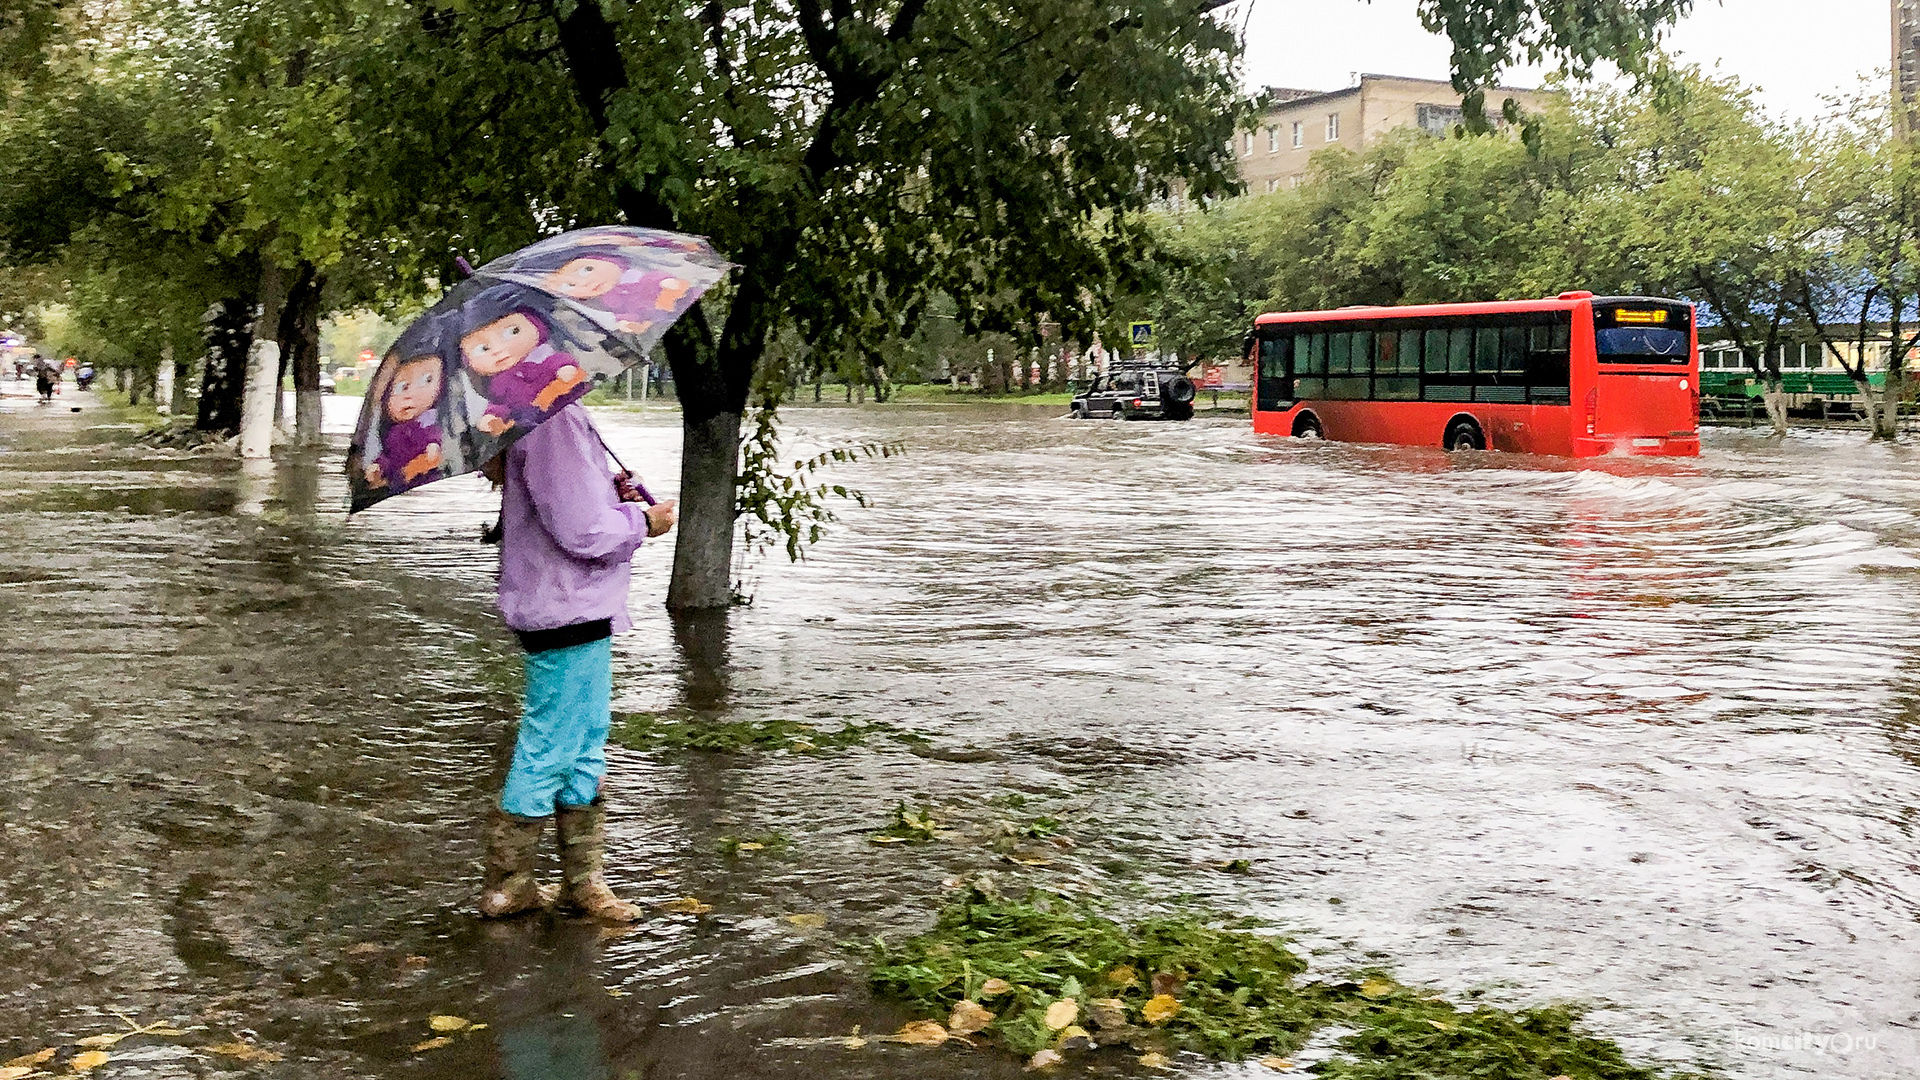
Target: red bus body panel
[(1641, 410)]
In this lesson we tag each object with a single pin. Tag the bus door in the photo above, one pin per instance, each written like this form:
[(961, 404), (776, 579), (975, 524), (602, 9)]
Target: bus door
[(1644, 389)]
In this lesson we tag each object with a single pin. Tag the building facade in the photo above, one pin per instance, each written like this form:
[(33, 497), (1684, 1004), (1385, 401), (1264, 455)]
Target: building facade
[(1293, 124)]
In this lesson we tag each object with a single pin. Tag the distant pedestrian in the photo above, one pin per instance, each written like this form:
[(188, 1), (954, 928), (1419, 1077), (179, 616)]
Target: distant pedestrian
[(568, 529), (83, 376), (43, 383)]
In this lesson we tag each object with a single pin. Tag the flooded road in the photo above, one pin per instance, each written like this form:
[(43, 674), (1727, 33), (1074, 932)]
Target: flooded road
[(1641, 734)]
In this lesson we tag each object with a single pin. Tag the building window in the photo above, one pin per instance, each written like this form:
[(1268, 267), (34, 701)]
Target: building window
[(1293, 181), (1299, 134), (1333, 127), (1437, 119), (1273, 140), (1273, 186), (1246, 145)]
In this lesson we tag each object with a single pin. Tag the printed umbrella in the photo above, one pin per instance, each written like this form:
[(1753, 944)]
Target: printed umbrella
[(525, 336)]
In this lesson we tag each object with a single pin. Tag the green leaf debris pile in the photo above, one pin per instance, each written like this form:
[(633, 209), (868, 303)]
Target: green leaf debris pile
[(648, 731), (1058, 976)]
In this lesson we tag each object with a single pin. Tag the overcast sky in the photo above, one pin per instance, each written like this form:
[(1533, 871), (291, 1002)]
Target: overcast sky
[(1795, 51)]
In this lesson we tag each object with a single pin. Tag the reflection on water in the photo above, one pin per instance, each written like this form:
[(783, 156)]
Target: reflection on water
[(1638, 732)]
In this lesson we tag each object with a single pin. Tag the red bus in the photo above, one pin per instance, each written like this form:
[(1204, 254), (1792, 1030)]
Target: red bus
[(1578, 375)]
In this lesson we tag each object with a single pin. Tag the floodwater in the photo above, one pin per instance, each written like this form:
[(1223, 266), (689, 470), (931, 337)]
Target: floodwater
[(1641, 734)]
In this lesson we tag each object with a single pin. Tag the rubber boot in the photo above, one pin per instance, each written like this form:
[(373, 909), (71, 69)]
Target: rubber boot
[(513, 850), (582, 838)]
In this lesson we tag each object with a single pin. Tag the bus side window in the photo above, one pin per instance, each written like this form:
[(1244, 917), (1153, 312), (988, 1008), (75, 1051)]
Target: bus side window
[(1409, 352), (1317, 354), (1436, 352), (1486, 353), (1460, 351), (1386, 353), (1340, 355), (1276, 383), (1513, 354), (1549, 366)]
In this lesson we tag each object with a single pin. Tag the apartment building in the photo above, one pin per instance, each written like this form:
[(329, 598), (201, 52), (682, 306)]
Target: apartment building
[(1906, 63), (1294, 123)]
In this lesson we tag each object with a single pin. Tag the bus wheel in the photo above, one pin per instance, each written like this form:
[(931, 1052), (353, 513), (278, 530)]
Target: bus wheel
[(1307, 426), (1464, 434)]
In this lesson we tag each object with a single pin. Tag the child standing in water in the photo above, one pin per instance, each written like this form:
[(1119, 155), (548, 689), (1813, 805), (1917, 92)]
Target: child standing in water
[(567, 538)]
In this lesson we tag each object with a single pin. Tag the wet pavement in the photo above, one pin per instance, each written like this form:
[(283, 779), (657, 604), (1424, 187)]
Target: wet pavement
[(1641, 734)]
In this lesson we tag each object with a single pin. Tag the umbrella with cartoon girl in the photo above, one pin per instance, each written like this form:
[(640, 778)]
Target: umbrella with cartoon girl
[(521, 339)]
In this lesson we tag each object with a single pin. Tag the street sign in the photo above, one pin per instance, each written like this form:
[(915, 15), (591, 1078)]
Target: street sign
[(1142, 334), (1213, 378)]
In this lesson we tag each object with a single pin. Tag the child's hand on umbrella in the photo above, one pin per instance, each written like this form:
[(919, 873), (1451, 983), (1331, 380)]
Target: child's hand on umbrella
[(660, 517)]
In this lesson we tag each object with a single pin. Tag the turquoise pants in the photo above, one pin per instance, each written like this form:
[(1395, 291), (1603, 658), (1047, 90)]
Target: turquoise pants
[(561, 753)]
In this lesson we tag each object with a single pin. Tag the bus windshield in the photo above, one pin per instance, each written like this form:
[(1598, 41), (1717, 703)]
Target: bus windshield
[(1641, 345)]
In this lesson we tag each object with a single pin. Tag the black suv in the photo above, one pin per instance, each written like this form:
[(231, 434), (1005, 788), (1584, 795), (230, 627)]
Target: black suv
[(1131, 392)]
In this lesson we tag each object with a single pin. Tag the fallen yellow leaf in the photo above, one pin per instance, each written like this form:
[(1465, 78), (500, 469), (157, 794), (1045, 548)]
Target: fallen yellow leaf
[(888, 839), (102, 1040), (853, 1042), (242, 1051), (1159, 1009), (749, 845), (92, 1059), (1123, 976), (1108, 1014), (1031, 953), (471, 1028), (614, 991), (15, 1072), (686, 905), (431, 1044), (1074, 1037), (444, 1023), (1045, 1059), (1279, 1063), (922, 1033), (994, 987), (808, 920), (38, 1057), (1061, 1013), (968, 1017), (1154, 1059), (364, 948), (1376, 988), (159, 1029)]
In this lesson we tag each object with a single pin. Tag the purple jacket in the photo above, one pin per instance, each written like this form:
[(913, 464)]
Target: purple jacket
[(566, 537)]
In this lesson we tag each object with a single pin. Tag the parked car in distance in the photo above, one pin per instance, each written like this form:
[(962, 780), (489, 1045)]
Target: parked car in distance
[(326, 383), (1136, 392)]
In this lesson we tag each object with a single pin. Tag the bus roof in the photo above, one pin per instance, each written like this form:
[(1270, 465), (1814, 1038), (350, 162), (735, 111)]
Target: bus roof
[(1490, 307)]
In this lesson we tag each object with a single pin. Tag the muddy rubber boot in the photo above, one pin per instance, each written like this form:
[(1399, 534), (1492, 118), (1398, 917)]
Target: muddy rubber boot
[(513, 850), (582, 836)]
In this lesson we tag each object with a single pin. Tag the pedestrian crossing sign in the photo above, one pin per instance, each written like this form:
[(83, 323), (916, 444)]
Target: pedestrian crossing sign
[(1142, 334)]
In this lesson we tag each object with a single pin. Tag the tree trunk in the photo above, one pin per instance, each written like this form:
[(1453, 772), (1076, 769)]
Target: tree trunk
[(177, 389), (300, 344), (703, 554), (163, 381), (1775, 400), (229, 336), (1886, 418), (263, 368)]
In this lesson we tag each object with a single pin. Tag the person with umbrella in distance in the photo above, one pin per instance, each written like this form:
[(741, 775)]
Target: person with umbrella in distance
[(568, 530), (490, 378)]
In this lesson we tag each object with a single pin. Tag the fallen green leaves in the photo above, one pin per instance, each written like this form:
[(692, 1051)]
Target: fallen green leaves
[(647, 731), (907, 827), (1031, 972)]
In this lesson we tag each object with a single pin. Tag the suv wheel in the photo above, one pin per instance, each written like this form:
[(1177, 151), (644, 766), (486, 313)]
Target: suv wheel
[(1119, 413), (1076, 411)]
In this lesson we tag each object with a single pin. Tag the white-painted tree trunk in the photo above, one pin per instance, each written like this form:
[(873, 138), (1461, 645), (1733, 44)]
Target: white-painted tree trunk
[(306, 417), (163, 382), (256, 408)]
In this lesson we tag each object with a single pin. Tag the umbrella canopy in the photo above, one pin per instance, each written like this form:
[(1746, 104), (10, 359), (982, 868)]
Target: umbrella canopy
[(525, 336)]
